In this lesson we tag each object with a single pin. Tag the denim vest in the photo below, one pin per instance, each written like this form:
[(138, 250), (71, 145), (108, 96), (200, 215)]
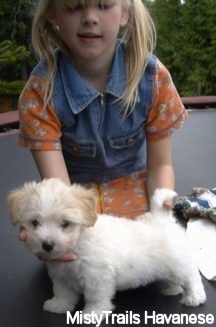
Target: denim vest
[(98, 144)]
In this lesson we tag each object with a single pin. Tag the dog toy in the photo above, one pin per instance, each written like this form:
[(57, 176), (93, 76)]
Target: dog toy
[(201, 203)]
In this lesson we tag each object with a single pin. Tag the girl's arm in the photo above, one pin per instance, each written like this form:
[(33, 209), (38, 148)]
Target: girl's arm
[(159, 166), (51, 164)]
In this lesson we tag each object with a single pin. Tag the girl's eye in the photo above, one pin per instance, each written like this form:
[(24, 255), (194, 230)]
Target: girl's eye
[(100, 6), (104, 6), (75, 8), (35, 223), (78, 7), (65, 224)]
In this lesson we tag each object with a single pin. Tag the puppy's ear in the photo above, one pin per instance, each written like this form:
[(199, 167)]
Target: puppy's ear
[(17, 201), (87, 204)]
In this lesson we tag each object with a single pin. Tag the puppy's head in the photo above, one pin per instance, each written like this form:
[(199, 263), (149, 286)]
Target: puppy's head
[(53, 214)]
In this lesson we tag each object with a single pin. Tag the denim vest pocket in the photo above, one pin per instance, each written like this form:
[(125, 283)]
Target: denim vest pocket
[(80, 149), (126, 140)]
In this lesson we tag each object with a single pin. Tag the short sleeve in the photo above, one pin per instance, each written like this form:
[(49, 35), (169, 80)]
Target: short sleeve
[(40, 128), (168, 112)]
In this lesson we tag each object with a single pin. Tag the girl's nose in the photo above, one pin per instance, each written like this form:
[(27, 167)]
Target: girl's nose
[(89, 16)]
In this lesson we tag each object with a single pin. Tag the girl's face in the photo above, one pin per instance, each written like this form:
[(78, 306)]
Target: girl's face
[(90, 30)]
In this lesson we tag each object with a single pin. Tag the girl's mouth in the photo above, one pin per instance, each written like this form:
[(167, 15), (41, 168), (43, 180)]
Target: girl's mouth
[(89, 37)]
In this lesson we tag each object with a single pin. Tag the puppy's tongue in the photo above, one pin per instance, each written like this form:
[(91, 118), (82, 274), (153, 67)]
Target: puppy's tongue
[(67, 257), (63, 257)]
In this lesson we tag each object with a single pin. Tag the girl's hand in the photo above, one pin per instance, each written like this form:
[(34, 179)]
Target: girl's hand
[(168, 205), (65, 257), (22, 234)]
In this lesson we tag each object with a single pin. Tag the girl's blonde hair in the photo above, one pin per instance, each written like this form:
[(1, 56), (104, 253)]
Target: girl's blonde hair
[(139, 36)]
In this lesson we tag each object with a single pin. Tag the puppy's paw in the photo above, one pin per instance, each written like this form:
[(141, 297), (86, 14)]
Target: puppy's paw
[(194, 299), (56, 305), (101, 311), (170, 290)]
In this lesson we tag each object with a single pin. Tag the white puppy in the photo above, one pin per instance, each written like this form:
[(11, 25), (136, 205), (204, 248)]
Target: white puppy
[(112, 253)]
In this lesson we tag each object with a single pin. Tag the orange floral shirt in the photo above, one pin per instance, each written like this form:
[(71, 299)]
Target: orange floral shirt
[(40, 129)]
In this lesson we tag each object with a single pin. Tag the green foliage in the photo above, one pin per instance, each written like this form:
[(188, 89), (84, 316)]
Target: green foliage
[(187, 43), (15, 20), (14, 44), (10, 53), (12, 88)]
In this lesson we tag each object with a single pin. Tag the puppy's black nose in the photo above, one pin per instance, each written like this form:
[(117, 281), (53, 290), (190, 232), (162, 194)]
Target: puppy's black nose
[(48, 246)]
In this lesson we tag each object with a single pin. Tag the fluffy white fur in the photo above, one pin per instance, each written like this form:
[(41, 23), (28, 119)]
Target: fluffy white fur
[(112, 253)]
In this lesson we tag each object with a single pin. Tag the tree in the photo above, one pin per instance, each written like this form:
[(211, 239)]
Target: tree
[(10, 54), (15, 58), (198, 54), (187, 43)]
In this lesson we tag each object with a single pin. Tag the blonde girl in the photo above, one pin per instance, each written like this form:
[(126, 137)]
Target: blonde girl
[(99, 108)]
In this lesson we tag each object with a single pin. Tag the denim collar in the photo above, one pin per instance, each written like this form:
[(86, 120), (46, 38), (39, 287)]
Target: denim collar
[(80, 93)]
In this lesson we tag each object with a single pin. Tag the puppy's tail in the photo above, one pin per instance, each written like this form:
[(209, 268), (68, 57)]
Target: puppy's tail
[(158, 199)]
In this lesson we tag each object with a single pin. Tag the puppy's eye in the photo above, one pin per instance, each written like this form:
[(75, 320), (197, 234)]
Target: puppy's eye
[(35, 223), (65, 224)]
